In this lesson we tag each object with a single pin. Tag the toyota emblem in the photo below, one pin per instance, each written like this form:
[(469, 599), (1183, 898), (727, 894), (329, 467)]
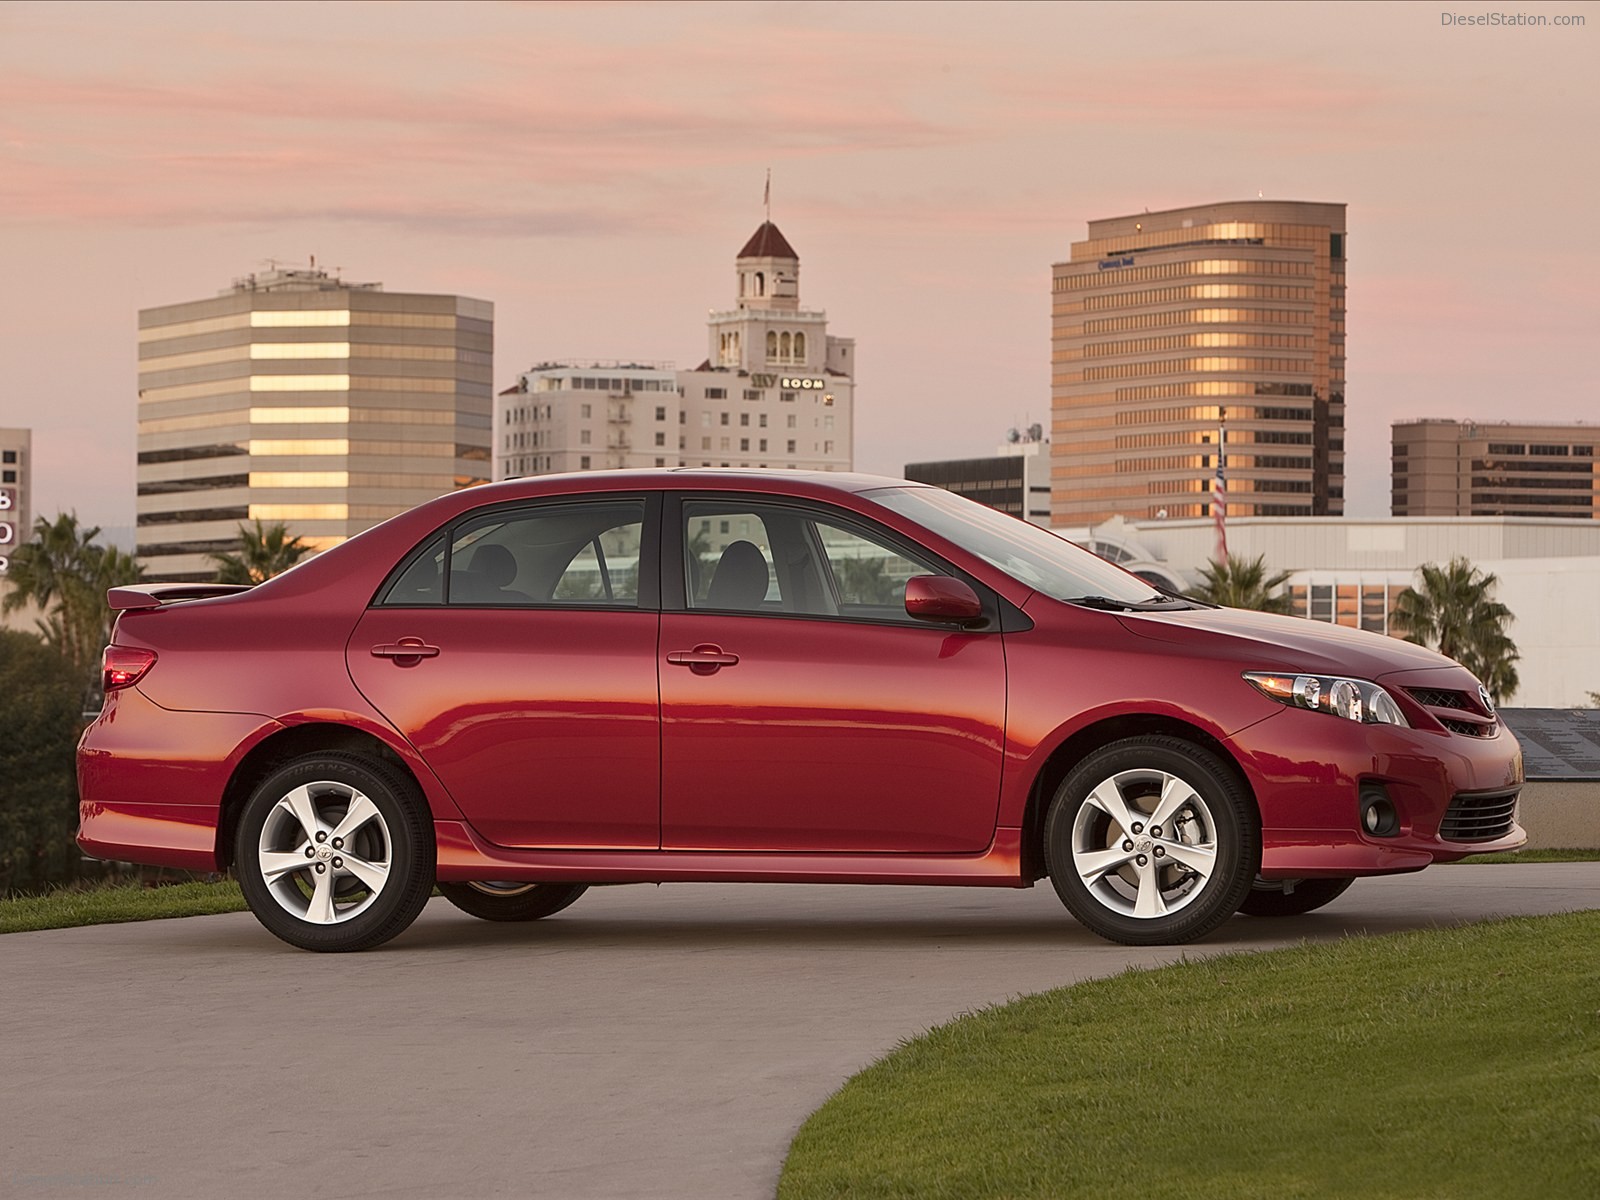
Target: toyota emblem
[(1485, 700)]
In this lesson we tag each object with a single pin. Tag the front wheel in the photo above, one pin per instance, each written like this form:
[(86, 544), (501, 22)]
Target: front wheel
[(1152, 841), (1291, 897), (335, 852), (511, 901)]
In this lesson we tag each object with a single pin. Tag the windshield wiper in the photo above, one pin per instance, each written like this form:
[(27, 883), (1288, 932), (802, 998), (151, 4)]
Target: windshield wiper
[(1155, 603)]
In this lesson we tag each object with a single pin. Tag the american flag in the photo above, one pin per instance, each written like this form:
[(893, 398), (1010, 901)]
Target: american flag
[(1219, 499)]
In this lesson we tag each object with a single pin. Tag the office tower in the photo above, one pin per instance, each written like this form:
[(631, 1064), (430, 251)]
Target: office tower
[(295, 397), (775, 390), (1167, 326), (1445, 468), (16, 491)]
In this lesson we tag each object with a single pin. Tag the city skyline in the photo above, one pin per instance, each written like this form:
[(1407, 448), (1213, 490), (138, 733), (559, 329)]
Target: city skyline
[(930, 163)]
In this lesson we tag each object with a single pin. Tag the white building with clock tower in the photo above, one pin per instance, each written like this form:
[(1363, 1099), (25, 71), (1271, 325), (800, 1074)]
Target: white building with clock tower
[(775, 390)]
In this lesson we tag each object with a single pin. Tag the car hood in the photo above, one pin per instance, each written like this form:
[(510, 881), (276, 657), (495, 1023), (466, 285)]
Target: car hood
[(1262, 640)]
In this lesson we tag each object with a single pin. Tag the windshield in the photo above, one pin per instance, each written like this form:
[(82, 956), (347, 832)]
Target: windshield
[(1027, 553)]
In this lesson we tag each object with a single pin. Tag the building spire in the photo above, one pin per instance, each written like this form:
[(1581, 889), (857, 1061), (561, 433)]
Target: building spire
[(766, 197)]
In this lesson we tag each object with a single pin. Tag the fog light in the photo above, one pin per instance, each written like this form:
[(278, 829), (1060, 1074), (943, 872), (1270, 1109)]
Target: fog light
[(1378, 816)]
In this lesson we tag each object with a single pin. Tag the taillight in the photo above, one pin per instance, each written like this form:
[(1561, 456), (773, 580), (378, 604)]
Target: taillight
[(122, 666)]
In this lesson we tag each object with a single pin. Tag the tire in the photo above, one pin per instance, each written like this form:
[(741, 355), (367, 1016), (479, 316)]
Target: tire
[(1291, 897), (1143, 881), (335, 852), (511, 901)]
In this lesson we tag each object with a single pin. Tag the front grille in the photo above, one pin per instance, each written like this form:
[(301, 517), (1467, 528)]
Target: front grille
[(1479, 816), (1459, 712), (1441, 698)]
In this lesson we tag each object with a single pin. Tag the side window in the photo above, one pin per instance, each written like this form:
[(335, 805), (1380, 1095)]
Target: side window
[(745, 557), (728, 559), (868, 577), (555, 554)]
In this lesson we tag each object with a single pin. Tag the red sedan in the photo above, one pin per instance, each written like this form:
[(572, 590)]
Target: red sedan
[(521, 690)]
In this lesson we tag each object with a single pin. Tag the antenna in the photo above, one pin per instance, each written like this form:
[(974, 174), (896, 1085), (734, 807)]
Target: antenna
[(766, 198)]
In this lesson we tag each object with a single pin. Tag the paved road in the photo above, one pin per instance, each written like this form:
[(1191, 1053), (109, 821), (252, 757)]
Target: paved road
[(649, 1042)]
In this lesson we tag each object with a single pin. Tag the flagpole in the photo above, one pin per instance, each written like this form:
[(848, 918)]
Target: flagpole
[(1219, 493)]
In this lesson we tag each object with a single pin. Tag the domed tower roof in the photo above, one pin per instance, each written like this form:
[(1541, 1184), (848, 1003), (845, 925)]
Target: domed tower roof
[(768, 242)]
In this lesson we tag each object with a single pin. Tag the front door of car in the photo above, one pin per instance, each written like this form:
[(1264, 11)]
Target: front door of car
[(517, 652), (802, 709)]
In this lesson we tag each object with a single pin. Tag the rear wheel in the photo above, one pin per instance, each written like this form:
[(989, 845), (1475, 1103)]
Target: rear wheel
[(335, 852), (1152, 841), (1291, 897), (494, 901)]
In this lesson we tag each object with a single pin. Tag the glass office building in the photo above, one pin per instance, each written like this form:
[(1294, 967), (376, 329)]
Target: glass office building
[(1167, 326), (295, 397)]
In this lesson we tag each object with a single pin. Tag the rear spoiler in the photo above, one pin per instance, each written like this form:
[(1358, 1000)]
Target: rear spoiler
[(154, 595)]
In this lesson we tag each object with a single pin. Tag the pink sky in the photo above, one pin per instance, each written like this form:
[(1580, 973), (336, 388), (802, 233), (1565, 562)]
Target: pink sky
[(592, 170)]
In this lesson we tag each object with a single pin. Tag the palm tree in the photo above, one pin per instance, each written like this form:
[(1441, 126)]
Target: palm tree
[(1240, 584), (262, 553), (1453, 610), (65, 573)]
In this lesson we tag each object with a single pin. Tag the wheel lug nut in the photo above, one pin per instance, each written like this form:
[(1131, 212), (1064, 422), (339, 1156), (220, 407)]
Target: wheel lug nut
[(1138, 828), (321, 868), (1155, 831), (321, 836), (1127, 845), (310, 853), (1160, 853), (338, 843), (337, 861), (1142, 860)]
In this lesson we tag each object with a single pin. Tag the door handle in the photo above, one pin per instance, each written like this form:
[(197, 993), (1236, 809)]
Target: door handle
[(705, 659), (412, 648)]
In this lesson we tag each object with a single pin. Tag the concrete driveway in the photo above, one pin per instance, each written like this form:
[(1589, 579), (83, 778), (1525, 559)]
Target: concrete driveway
[(649, 1042)]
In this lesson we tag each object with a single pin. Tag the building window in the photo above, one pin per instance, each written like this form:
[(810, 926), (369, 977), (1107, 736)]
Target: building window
[(583, 463), (752, 394), (790, 446), (724, 420), (791, 421), (763, 445), (661, 462), (772, 343), (787, 397), (661, 412), (583, 437), (799, 347), (585, 410), (762, 420), (10, 456), (744, 419), (705, 444), (723, 444), (716, 393), (661, 439), (827, 447), (744, 444)]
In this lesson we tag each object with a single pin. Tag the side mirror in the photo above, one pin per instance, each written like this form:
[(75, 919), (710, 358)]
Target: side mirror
[(941, 598)]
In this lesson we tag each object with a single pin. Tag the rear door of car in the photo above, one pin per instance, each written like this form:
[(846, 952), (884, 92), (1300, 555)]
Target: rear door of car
[(802, 709), (516, 650)]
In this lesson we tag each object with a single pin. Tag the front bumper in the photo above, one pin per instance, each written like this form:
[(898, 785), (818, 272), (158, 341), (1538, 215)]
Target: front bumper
[(1307, 770)]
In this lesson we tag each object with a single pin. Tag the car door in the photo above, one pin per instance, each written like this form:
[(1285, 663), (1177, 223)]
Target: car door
[(802, 709), (517, 651)]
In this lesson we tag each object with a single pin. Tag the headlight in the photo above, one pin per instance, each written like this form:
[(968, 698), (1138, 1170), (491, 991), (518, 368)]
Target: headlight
[(1352, 699)]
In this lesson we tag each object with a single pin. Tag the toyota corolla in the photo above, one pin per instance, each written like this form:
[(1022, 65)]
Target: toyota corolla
[(519, 691)]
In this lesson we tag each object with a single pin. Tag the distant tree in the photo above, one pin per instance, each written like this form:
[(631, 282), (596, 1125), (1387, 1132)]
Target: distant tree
[(262, 553), (66, 573), (40, 702), (1238, 583), (1453, 610), (865, 581), (1594, 699)]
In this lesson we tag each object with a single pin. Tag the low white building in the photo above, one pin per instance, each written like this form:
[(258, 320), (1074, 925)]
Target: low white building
[(1349, 571)]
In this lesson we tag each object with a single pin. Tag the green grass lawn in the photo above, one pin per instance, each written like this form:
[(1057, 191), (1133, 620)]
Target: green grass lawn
[(124, 902), (1449, 1064), (1531, 856)]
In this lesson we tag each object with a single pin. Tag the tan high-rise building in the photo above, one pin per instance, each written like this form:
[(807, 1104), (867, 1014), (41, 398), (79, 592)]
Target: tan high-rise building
[(1167, 325), (295, 397), (1445, 468)]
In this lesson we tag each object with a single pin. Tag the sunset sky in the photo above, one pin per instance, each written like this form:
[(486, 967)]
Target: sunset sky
[(593, 168)]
